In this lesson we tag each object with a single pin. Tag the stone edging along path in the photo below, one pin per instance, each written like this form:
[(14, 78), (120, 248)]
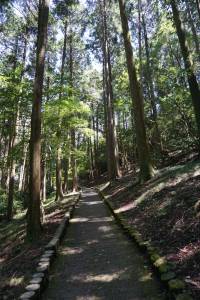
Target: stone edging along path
[(40, 278), (164, 269)]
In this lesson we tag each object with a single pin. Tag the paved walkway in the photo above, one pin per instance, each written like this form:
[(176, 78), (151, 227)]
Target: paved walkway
[(97, 261)]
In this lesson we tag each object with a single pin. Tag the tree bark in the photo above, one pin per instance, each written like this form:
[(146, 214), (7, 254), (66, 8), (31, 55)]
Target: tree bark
[(66, 170), (34, 210), (73, 133), (59, 189), (158, 144), (146, 169), (112, 145), (192, 80), (193, 28), (198, 7), (73, 162), (140, 38)]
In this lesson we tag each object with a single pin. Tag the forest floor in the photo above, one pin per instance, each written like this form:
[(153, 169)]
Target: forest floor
[(166, 211), (18, 257)]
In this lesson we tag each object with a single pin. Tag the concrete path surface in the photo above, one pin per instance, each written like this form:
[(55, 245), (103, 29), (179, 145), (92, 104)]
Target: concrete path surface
[(97, 261)]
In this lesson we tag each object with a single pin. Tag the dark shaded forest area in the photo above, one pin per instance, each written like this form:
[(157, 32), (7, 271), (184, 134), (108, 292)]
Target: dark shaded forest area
[(95, 92)]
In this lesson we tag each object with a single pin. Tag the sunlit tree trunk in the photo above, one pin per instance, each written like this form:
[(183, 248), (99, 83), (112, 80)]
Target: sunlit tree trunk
[(34, 211), (112, 145), (59, 189), (73, 133), (24, 155), (146, 169)]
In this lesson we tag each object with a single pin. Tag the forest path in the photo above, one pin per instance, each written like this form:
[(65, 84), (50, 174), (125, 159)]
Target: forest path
[(97, 261)]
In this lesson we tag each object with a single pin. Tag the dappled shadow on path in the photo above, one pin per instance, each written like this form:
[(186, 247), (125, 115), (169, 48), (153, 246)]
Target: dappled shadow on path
[(97, 261)]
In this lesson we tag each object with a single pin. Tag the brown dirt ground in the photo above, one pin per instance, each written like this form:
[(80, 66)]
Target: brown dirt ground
[(166, 211), (18, 258)]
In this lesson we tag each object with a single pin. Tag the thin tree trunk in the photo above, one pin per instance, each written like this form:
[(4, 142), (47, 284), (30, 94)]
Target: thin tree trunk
[(94, 143), (97, 128), (22, 170), (66, 170), (192, 80), (192, 25), (25, 181), (24, 155), (146, 169), (73, 133), (59, 190), (34, 211), (140, 38), (106, 117), (151, 90), (198, 7), (11, 165), (73, 162), (111, 121), (4, 167), (4, 153), (112, 146)]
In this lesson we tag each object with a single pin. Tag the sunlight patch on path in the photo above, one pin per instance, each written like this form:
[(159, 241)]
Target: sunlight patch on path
[(69, 250), (92, 203), (88, 297), (98, 278), (78, 220)]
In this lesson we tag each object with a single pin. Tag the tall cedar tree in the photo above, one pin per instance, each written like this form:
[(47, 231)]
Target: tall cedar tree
[(192, 80), (111, 137), (34, 212), (146, 169)]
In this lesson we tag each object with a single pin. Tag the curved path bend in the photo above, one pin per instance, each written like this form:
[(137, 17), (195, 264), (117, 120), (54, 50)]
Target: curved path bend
[(97, 261)]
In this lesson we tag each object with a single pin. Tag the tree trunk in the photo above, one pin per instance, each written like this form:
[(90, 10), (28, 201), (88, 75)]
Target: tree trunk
[(73, 134), (63, 60), (66, 170), (194, 32), (113, 155), (140, 38), (106, 118), (4, 168), (111, 122), (11, 171), (198, 7), (59, 191), (11, 165), (34, 211), (192, 81), (146, 169), (22, 170), (158, 144), (73, 162), (94, 142)]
